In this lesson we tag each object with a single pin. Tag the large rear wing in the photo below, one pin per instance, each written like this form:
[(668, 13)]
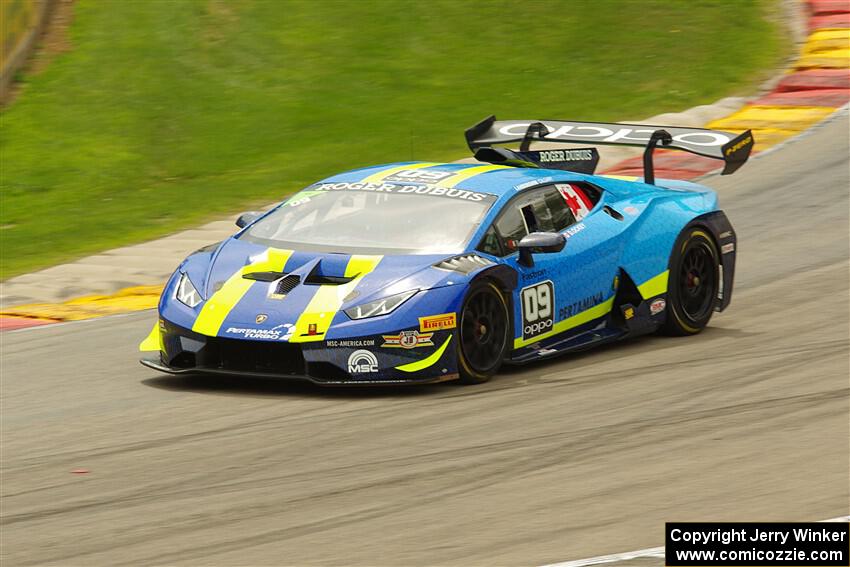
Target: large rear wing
[(731, 148)]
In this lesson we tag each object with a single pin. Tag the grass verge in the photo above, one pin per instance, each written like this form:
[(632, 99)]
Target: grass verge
[(166, 114)]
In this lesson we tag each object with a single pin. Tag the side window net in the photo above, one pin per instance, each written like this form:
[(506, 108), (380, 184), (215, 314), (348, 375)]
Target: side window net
[(529, 219)]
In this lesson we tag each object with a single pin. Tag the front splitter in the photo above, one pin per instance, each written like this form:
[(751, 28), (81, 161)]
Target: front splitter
[(157, 364)]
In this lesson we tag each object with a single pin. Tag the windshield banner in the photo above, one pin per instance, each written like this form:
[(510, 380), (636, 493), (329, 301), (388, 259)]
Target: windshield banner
[(407, 189)]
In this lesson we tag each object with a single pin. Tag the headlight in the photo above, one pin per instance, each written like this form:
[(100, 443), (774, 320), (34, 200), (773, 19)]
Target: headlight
[(186, 292), (379, 307)]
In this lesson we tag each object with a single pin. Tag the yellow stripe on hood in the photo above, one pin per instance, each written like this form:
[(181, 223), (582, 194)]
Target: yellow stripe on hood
[(328, 299), (464, 174), (222, 302)]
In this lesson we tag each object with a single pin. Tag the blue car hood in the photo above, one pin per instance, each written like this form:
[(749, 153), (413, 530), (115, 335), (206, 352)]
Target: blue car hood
[(237, 306)]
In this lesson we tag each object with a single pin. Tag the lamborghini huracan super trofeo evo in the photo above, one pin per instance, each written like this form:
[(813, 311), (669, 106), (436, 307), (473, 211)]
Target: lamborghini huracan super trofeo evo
[(423, 272)]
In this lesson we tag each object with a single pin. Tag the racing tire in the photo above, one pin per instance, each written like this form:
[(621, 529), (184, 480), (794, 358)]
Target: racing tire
[(693, 284), (483, 333)]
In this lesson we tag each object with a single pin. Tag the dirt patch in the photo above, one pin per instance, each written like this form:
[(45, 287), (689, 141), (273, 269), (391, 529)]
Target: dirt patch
[(53, 41), (219, 19)]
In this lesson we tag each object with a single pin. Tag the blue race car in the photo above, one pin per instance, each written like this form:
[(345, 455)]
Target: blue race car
[(425, 272)]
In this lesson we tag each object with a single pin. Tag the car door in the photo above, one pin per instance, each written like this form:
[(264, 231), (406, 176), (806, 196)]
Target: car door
[(561, 290)]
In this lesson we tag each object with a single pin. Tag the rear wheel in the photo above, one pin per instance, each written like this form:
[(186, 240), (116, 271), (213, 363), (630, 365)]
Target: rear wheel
[(693, 284), (483, 333)]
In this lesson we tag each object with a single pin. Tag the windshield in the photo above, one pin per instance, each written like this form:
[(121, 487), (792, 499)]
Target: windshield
[(370, 218)]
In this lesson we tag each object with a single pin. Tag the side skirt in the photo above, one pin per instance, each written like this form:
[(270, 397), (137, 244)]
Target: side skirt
[(575, 340)]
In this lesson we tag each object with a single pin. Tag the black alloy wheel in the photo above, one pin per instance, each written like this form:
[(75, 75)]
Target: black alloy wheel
[(483, 333), (694, 283)]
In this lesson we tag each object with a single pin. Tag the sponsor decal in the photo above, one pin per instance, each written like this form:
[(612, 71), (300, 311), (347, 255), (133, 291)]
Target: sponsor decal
[(725, 234), (270, 334), (312, 329), (362, 362), (578, 160), (432, 190), (533, 183), (604, 133), (538, 309), (720, 281), (419, 176), (350, 343), (629, 313), (408, 340), (575, 229), (616, 283), (546, 351), (300, 198), (745, 142), (576, 199), (565, 155), (261, 318), (727, 248), (630, 210), (533, 275), (579, 306), (657, 306), (296, 202), (438, 322)]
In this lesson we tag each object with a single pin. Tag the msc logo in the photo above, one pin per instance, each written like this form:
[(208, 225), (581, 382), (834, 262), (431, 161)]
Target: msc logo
[(362, 362)]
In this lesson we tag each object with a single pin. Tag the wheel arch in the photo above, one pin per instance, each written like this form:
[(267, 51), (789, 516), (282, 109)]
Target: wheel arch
[(720, 229), (506, 280), (648, 245), (501, 280)]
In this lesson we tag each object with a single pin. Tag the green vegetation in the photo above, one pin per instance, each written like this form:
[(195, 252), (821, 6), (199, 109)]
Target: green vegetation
[(167, 114)]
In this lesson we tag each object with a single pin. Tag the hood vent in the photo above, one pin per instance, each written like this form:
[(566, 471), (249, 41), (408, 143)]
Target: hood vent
[(287, 284), (316, 279), (464, 263), (263, 276), (317, 276)]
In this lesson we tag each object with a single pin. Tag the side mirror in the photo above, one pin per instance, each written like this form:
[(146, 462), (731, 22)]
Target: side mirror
[(247, 218), (539, 243)]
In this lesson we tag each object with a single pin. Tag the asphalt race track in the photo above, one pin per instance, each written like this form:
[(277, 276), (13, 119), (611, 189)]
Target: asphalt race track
[(581, 456)]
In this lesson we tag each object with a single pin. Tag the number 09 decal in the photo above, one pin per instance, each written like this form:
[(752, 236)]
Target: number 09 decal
[(538, 309)]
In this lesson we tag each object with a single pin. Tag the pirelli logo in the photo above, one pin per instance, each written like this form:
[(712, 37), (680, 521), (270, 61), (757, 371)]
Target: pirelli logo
[(438, 322)]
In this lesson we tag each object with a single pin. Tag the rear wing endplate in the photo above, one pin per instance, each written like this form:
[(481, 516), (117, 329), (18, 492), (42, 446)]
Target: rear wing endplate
[(733, 149)]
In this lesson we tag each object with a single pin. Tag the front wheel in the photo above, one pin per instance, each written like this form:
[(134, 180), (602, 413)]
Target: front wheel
[(483, 333), (693, 284)]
